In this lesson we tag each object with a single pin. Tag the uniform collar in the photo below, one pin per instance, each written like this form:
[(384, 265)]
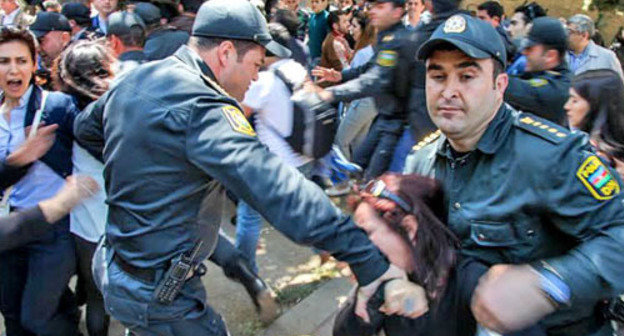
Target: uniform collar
[(492, 139), (192, 59)]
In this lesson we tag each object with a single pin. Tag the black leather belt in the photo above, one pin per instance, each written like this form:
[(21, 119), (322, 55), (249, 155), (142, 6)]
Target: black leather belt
[(147, 275)]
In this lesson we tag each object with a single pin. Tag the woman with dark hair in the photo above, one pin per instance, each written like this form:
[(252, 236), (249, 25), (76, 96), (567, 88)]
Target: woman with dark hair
[(404, 217), (84, 71), (35, 298), (594, 95)]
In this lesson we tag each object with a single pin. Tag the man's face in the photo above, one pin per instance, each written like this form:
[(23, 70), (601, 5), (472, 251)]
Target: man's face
[(536, 58), (575, 37), (414, 6), (51, 45), (237, 75), (384, 14), (483, 15), (346, 3), (318, 6), (517, 25), (461, 95), (105, 7), (343, 24), (8, 5), (291, 4)]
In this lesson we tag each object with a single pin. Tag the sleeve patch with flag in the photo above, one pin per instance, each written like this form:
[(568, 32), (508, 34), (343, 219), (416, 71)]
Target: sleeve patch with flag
[(597, 178), (237, 121), (387, 58)]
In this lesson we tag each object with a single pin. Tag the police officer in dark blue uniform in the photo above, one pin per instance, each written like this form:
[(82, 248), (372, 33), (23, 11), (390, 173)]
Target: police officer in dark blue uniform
[(170, 131), (526, 197), (543, 88), (386, 77)]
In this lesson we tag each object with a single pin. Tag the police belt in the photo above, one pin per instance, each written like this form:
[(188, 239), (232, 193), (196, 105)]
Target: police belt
[(147, 275)]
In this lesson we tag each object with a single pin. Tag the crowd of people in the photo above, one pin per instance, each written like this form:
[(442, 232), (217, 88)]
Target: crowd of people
[(483, 153)]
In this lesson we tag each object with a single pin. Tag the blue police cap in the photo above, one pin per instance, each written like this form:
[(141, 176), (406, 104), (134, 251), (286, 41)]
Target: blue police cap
[(46, 22), (474, 37), (120, 23), (237, 20), (398, 2)]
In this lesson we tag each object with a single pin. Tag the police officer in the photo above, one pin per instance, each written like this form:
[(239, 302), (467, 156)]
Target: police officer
[(169, 131), (386, 78), (526, 197), (543, 88)]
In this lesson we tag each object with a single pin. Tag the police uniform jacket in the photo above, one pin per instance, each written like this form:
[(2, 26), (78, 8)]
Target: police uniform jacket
[(542, 93), (166, 130), (386, 77), (533, 191)]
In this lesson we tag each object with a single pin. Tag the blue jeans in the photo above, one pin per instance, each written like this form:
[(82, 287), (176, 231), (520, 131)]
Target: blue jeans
[(406, 142), (249, 224), (34, 297)]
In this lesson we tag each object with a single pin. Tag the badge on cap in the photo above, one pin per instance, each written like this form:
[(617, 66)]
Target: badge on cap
[(237, 120), (597, 178), (455, 24)]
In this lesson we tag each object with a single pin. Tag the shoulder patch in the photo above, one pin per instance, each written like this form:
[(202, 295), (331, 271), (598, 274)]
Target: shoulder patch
[(237, 120), (542, 128), (388, 38), (427, 140), (387, 58), (538, 82), (597, 178)]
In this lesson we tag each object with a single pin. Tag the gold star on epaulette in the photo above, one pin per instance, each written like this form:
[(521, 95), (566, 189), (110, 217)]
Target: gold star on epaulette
[(427, 140)]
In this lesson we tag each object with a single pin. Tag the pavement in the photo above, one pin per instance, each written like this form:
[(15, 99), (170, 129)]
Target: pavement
[(293, 272)]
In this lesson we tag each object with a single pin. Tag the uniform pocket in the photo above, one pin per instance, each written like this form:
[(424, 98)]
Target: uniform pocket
[(493, 234)]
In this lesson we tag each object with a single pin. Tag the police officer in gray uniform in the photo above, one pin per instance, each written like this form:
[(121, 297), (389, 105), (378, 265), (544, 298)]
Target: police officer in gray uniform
[(169, 131), (525, 196), (386, 77)]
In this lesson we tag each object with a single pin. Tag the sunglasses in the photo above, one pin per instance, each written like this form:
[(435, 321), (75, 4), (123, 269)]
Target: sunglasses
[(377, 188)]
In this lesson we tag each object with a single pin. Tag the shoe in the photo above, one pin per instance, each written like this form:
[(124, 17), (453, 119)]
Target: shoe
[(260, 293)]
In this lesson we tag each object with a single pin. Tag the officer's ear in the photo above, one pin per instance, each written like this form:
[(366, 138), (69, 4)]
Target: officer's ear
[(501, 81), (226, 51)]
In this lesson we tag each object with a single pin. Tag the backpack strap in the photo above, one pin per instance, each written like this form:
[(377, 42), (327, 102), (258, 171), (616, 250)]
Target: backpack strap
[(289, 84)]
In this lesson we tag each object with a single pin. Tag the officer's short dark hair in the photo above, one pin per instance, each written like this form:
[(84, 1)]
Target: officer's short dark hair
[(207, 43), (530, 11), (279, 34), (493, 9), (134, 38), (334, 17)]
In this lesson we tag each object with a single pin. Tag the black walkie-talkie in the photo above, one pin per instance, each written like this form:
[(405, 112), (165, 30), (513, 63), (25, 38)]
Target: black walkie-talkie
[(172, 282)]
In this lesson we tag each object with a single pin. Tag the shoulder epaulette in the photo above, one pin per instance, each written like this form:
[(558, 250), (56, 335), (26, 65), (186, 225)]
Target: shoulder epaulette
[(552, 72), (427, 140), (541, 127)]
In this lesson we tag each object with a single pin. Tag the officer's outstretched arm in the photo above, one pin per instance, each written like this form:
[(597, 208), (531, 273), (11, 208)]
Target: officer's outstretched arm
[(586, 202), (221, 143), (377, 78)]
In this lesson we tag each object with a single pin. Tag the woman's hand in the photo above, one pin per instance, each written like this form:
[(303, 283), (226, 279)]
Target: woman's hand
[(404, 298), (34, 147), (75, 190)]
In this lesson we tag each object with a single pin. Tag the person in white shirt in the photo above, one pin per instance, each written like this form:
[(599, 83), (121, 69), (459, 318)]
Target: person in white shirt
[(268, 99)]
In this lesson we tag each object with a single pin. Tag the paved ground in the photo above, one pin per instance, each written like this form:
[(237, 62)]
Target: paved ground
[(290, 269)]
